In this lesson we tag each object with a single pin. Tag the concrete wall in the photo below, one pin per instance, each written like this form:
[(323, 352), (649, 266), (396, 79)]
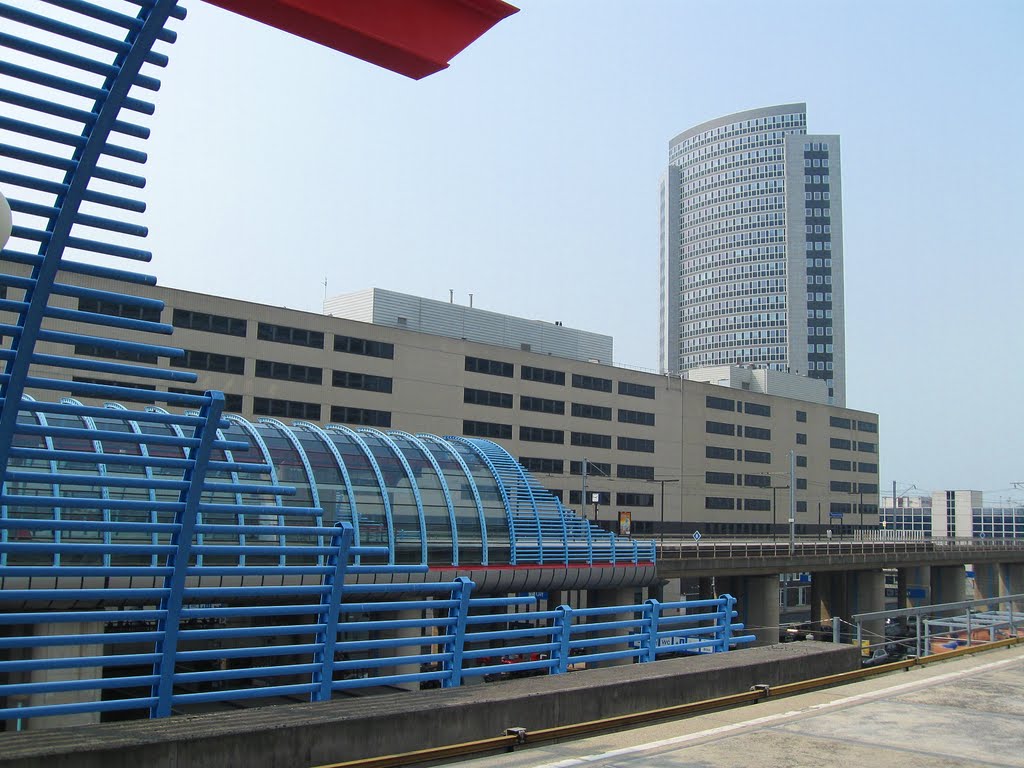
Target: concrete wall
[(312, 734)]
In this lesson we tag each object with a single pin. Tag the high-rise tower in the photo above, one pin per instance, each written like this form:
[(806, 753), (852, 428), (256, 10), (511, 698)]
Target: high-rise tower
[(752, 248)]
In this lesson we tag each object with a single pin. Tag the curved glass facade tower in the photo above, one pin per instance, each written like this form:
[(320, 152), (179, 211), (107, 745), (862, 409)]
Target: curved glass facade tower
[(751, 260)]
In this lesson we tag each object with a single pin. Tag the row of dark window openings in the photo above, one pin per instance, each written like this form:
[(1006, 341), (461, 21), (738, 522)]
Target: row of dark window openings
[(604, 498), (232, 403), (765, 481), (556, 407), (261, 406), (550, 376), (239, 327), (735, 430), (760, 433), (264, 369), (281, 334), (765, 505), (728, 404), (739, 406), (495, 431), (557, 467), (765, 457)]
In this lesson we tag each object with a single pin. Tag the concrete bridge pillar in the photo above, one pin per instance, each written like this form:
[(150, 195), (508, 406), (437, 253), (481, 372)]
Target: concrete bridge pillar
[(986, 580), (673, 591), (1011, 582), (828, 596), (411, 634), (867, 595), (53, 675), (948, 584), (914, 586), (603, 598), (757, 602)]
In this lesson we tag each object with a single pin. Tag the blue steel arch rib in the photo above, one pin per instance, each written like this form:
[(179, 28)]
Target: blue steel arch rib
[(343, 469), (552, 519), (148, 471), (444, 488), (412, 483), (503, 492), (435, 440), (314, 494), (513, 473), (255, 436), (361, 444), (101, 470)]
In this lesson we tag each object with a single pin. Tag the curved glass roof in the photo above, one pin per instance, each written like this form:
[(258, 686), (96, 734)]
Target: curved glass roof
[(430, 500)]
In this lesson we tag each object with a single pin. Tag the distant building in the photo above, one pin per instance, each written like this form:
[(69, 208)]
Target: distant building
[(751, 248), (953, 514)]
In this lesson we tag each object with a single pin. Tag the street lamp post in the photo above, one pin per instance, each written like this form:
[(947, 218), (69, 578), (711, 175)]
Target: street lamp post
[(663, 481), (860, 489), (774, 489)]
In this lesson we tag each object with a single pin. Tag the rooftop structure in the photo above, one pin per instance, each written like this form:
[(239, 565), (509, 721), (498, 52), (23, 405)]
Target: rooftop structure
[(457, 321), (763, 380)]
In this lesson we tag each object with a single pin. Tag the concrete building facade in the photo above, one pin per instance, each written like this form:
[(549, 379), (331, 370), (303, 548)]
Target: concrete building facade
[(751, 248), (954, 514), (723, 453)]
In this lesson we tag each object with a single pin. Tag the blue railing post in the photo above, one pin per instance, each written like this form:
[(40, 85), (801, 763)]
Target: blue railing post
[(330, 602), (725, 630), (178, 560), (653, 609), (455, 646), (563, 625)]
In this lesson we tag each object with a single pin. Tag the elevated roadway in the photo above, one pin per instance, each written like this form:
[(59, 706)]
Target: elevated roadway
[(726, 557)]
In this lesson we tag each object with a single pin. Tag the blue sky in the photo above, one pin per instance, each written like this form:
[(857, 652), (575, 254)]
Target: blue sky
[(527, 173)]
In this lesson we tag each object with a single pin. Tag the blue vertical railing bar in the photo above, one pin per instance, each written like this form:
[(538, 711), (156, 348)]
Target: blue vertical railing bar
[(330, 603), (563, 630), (455, 647), (168, 626), (653, 624)]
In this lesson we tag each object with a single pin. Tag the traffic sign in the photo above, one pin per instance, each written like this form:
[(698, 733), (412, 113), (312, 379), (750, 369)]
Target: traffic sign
[(696, 535)]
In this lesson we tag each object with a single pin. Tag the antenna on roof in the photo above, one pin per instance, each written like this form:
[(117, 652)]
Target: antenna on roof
[(325, 289)]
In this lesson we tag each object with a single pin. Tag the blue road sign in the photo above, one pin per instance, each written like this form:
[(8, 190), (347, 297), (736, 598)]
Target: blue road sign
[(696, 535)]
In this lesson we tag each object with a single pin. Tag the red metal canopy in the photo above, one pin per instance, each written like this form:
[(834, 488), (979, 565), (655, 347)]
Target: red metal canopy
[(415, 38)]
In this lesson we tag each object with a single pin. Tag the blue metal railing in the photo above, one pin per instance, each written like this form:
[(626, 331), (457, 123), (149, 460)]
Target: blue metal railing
[(155, 639)]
